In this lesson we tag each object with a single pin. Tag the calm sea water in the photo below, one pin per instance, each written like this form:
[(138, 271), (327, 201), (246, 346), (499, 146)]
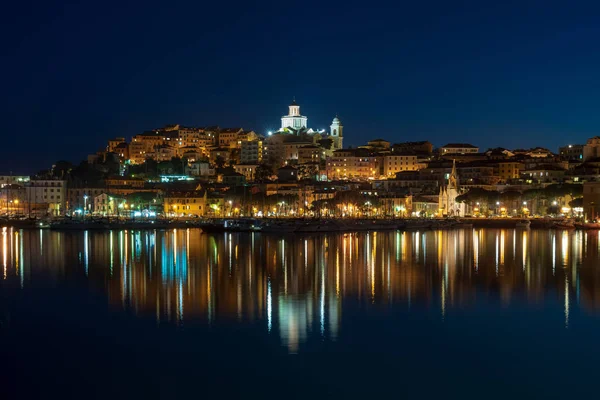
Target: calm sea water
[(181, 314)]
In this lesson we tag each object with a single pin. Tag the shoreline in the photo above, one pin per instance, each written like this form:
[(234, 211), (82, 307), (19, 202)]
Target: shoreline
[(298, 225)]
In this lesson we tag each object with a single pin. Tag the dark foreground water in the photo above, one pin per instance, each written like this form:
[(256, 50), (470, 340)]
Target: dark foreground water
[(179, 314)]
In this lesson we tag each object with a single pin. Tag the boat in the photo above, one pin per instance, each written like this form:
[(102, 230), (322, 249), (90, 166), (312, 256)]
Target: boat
[(566, 224), (587, 225), (75, 225), (419, 225), (523, 224), (463, 225), (212, 226), (275, 226), (318, 226), (242, 225)]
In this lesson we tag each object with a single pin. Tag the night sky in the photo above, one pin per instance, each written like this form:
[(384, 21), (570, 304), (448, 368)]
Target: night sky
[(506, 74)]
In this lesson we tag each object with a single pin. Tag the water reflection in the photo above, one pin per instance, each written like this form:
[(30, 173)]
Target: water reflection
[(296, 287)]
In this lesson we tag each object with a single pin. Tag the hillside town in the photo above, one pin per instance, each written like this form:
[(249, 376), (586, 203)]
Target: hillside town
[(208, 172)]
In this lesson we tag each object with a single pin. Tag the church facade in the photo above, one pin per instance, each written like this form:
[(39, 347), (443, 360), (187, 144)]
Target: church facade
[(448, 206), (297, 124)]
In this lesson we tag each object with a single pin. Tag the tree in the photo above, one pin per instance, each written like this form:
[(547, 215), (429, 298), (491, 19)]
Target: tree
[(234, 156), (263, 172), (578, 202), (220, 161), (307, 171), (86, 175), (478, 195), (61, 169), (510, 196)]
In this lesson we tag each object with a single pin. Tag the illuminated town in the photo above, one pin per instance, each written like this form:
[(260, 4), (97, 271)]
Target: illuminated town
[(183, 172)]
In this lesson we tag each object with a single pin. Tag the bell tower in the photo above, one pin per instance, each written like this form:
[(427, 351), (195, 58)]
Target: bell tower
[(337, 133)]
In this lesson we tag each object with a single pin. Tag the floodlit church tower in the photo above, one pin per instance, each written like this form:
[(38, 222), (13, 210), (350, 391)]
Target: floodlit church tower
[(293, 120), (337, 133), (448, 194)]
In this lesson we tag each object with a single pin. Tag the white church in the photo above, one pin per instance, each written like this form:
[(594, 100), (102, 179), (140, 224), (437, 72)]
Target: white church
[(448, 205), (296, 124)]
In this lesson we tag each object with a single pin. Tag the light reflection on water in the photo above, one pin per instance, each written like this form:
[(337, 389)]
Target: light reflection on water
[(296, 287)]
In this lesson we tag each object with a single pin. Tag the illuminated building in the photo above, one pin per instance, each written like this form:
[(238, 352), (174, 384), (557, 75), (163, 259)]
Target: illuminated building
[(378, 145), (251, 152), (296, 124), (573, 152), (108, 204), (393, 164), (248, 170), (458, 148), (291, 150), (352, 164), (228, 136), (164, 152), (293, 121), (448, 193), (591, 200), (114, 143), (309, 154), (47, 196), (591, 149), (508, 170), (188, 203), (336, 133), (13, 180), (75, 197), (201, 168)]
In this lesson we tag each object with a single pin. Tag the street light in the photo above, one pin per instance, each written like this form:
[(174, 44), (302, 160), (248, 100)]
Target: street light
[(85, 197)]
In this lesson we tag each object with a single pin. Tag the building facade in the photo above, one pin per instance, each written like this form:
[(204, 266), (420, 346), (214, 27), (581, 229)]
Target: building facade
[(458, 148), (392, 164), (47, 195), (447, 198), (184, 204), (293, 120), (251, 152), (352, 164)]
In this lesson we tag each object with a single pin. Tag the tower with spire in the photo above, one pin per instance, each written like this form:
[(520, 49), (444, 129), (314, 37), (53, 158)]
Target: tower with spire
[(336, 133), (448, 193)]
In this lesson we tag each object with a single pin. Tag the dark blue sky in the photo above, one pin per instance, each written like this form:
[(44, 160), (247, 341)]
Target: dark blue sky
[(512, 74)]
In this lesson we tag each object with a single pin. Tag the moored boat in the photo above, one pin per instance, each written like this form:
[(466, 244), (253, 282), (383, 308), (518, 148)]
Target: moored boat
[(212, 227), (275, 226), (463, 225), (587, 225), (242, 225), (566, 224), (523, 224), (72, 225), (318, 226)]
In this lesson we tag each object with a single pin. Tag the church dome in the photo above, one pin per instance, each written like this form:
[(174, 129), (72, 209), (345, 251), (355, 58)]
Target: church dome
[(294, 103), (336, 119)]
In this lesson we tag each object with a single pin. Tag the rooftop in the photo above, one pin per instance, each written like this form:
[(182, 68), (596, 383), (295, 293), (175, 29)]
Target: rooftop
[(460, 146)]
